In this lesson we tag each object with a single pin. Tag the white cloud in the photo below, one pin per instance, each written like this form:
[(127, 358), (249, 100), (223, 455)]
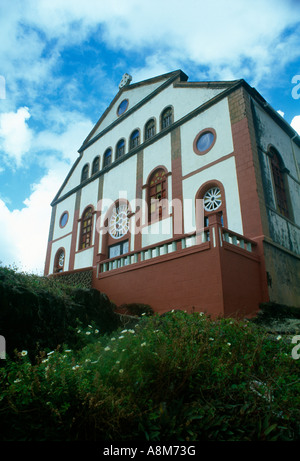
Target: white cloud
[(15, 134), (65, 135), (295, 123), (230, 37), (24, 233)]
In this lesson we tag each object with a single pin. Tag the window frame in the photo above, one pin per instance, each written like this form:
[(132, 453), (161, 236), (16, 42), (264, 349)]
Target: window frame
[(120, 151), (161, 211), (169, 117), (198, 136), (89, 233), (65, 213), (121, 244), (280, 185), (105, 156), (126, 101), (221, 209), (57, 269), (95, 161), (85, 172), (134, 141), (150, 132)]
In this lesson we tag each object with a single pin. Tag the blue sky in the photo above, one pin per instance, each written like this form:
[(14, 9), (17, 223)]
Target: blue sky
[(61, 62)]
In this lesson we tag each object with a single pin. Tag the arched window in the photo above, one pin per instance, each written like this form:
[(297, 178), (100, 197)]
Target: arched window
[(85, 172), (166, 118), (86, 229), (116, 238), (279, 183), (134, 139), (107, 157), (96, 165), (59, 261), (213, 196), (150, 129), (120, 148), (157, 195)]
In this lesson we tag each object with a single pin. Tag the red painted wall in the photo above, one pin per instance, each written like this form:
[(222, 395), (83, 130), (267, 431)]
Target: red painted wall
[(219, 281)]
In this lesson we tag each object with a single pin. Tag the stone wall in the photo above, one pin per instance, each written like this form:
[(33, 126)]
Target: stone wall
[(79, 277)]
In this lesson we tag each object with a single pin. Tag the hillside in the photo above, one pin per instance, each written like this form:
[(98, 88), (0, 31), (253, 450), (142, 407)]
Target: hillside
[(77, 374)]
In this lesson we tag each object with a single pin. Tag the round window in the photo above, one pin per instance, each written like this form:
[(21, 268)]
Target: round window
[(204, 141), (122, 107), (64, 219), (212, 199)]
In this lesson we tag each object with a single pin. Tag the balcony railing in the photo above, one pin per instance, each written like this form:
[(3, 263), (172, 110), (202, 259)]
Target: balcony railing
[(208, 234)]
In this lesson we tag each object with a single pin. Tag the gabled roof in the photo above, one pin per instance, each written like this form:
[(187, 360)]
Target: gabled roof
[(177, 79), (165, 80)]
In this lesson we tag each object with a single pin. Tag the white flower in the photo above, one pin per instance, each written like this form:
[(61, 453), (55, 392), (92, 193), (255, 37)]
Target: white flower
[(144, 313), (17, 381), (120, 337), (118, 361), (45, 360), (90, 326), (96, 331), (211, 339), (201, 313), (143, 344), (23, 353), (121, 370), (78, 331), (131, 331), (124, 331), (75, 367), (113, 339), (68, 350), (228, 344), (107, 348), (88, 333), (278, 337), (50, 353)]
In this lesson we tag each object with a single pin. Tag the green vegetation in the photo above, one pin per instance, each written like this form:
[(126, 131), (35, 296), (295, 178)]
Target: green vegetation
[(39, 313), (176, 377)]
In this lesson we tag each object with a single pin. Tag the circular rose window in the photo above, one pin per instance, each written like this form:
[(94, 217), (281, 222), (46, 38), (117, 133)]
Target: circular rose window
[(122, 107), (204, 141), (212, 199), (119, 222)]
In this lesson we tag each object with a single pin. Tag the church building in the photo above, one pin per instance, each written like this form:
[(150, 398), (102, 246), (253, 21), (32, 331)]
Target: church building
[(185, 195)]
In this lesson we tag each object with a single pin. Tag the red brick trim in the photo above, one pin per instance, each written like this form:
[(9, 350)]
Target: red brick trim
[(222, 159)]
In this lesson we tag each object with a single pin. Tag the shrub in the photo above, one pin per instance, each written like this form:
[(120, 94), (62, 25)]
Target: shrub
[(180, 377), (38, 313), (137, 309)]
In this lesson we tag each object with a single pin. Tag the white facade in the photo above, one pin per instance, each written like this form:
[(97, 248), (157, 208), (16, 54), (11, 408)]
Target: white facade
[(230, 163)]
